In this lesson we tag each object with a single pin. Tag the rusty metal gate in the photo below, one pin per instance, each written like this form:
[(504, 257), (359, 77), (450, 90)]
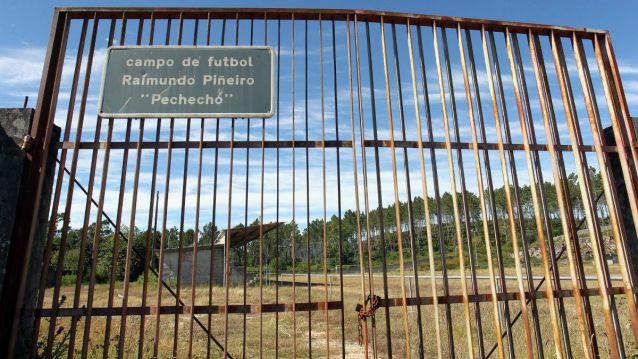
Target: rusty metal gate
[(429, 186)]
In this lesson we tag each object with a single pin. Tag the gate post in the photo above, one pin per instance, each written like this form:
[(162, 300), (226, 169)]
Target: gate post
[(14, 124), (623, 198)]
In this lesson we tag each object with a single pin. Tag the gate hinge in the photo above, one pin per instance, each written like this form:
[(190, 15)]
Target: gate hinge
[(27, 143)]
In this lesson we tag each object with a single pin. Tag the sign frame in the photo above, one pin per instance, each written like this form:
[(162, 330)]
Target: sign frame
[(268, 114)]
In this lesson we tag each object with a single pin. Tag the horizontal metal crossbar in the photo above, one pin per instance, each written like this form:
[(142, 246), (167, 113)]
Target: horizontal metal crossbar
[(500, 297), (316, 144), (325, 14), (198, 309)]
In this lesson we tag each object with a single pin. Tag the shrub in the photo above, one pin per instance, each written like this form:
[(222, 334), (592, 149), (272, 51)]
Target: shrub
[(69, 279)]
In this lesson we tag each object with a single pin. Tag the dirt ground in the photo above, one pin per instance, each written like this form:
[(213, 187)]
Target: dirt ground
[(289, 334)]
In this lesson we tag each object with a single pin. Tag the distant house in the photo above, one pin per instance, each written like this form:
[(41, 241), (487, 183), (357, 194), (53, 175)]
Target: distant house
[(212, 256)]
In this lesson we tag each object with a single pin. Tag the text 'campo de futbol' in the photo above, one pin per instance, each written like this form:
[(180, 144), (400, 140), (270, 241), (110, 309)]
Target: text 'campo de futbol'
[(212, 80)]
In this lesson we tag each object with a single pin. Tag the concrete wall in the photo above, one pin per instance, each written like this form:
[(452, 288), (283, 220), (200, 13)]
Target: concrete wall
[(14, 125), (171, 257)]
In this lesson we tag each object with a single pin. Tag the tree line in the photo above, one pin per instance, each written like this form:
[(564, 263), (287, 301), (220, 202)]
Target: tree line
[(341, 231)]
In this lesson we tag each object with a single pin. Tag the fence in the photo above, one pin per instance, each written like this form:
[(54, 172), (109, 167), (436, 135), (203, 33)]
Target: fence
[(467, 155)]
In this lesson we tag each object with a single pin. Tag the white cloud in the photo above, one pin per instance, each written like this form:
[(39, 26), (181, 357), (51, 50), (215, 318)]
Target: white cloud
[(20, 71), (21, 66), (626, 68)]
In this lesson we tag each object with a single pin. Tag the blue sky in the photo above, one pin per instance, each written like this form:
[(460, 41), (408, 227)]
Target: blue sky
[(25, 28), (25, 24)]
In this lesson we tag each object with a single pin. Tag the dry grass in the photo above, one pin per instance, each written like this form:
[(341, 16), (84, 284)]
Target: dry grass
[(325, 332)]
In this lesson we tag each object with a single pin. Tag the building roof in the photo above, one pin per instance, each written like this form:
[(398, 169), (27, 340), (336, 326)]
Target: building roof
[(239, 236)]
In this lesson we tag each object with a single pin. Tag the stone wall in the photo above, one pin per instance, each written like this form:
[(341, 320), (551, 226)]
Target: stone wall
[(14, 124)]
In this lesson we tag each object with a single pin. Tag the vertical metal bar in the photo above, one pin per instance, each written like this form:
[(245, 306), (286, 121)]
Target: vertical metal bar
[(227, 273), (588, 337), (150, 235), (466, 212), (611, 196), (457, 222), (355, 169), (214, 215), (58, 186), (180, 250), (261, 240), (160, 265), (549, 293), (116, 238), (424, 188), (338, 150), (197, 213), (308, 279), (293, 238), (365, 188), (277, 190), (245, 246), (406, 168), (437, 202), (323, 149), (611, 320), (481, 192), (261, 215), (380, 224), (150, 242), (214, 235)]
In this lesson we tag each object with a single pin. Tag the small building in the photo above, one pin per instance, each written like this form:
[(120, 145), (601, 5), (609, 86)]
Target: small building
[(211, 257)]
